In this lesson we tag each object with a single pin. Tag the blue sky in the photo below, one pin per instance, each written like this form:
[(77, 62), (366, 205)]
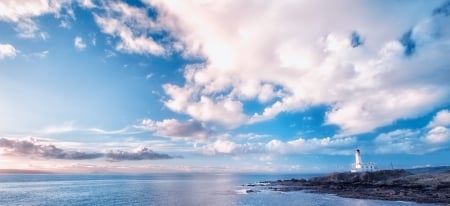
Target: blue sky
[(223, 86)]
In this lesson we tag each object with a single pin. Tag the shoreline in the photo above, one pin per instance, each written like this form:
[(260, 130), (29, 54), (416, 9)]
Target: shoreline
[(393, 185)]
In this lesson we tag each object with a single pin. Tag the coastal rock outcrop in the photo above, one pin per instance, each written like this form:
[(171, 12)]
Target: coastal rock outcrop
[(385, 185)]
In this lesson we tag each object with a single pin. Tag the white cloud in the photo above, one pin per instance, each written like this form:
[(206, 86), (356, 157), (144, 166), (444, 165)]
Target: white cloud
[(7, 50), (27, 29), (220, 146), (42, 54), (442, 118), (87, 4), (123, 131), (93, 40), (307, 60), (64, 24), (327, 145), (78, 43), (438, 135), (22, 12), (172, 128), (149, 76), (225, 111), (398, 141), (16, 10), (70, 128), (435, 136), (58, 129), (364, 112), (132, 26), (252, 136)]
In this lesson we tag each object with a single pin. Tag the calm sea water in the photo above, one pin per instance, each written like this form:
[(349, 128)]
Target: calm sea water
[(158, 189)]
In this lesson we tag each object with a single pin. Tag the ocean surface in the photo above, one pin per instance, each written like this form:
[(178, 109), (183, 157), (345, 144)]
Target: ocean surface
[(159, 189)]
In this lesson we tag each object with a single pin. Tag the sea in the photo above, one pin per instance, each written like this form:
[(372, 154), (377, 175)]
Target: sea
[(197, 189)]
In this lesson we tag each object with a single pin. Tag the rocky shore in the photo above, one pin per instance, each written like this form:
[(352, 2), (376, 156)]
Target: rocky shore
[(398, 185)]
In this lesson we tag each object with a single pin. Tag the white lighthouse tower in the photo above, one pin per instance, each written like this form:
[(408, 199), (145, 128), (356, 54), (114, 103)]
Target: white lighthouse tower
[(358, 166), (358, 162)]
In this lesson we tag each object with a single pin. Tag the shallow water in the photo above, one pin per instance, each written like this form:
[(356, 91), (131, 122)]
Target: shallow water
[(158, 189)]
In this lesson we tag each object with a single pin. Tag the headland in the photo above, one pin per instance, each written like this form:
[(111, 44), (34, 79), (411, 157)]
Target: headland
[(395, 185)]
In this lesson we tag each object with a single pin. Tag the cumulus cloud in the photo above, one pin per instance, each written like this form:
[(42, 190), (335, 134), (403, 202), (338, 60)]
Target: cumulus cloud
[(7, 50), (439, 128), (438, 135), (442, 118), (224, 110), (172, 128), (132, 26), (32, 149), (220, 146), (78, 43), (337, 57)]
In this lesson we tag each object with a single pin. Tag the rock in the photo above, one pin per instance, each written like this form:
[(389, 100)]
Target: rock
[(384, 184)]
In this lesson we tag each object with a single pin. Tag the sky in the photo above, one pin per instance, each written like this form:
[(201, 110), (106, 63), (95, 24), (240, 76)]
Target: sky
[(223, 86)]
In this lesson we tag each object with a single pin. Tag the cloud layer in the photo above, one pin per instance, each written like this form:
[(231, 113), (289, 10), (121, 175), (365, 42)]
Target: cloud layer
[(29, 148), (34, 150), (142, 153)]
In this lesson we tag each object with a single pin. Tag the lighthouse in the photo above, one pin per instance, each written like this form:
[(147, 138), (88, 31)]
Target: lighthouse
[(358, 162), (358, 166)]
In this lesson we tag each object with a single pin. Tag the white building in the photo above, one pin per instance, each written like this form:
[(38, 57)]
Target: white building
[(359, 166)]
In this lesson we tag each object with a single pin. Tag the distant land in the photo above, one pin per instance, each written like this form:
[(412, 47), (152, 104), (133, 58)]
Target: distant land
[(429, 170), (20, 171)]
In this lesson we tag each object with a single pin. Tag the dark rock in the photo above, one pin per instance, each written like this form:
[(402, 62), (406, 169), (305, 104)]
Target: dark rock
[(384, 185)]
